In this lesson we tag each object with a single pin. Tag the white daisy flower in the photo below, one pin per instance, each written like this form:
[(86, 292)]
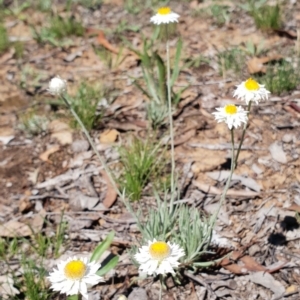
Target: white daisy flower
[(250, 90), (57, 86), (159, 258), (232, 115), (164, 16), (73, 275)]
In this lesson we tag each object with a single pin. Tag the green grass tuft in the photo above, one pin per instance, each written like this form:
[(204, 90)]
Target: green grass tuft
[(33, 283), (267, 17), (85, 104), (281, 77), (23, 259), (4, 41), (32, 124), (231, 60), (142, 162), (91, 4), (44, 5), (59, 29), (19, 49)]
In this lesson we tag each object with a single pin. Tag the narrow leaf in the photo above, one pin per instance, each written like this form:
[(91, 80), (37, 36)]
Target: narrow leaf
[(102, 247), (161, 77), (150, 84), (110, 265), (146, 60), (129, 45), (176, 96), (208, 263), (141, 89), (155, 34), (176, 68)]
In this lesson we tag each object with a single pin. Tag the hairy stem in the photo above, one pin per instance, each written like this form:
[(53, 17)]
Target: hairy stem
[(171, 125), (243, 136), (161, 286), (93, 146)]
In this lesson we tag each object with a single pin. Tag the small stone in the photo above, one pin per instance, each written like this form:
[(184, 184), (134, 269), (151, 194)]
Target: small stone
[(64, 164), (78, 159), (254, 249), (278, 153), (38, 205), (120, 297), (9, 184), (291, 289), (256, 169), (34, 192), (80, 146), (288, 138), (138, 293)]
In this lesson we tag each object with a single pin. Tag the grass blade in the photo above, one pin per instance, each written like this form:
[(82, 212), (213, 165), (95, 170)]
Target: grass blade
[(176, 68), (161, 77), (110, 265), (102, 247)]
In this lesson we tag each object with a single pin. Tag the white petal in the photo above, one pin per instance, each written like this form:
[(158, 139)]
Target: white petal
[(165, 268), (164, 19), (69, 286), (83, 290), (92, 279), (74, 289)]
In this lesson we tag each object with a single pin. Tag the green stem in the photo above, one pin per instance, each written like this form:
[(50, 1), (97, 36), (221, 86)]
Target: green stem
[(161, 286), (74, 297), (92, 145), (171, 124), (243, 136)]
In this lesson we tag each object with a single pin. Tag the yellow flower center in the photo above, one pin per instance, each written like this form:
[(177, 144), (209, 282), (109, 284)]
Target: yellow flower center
[(251, 85), (230, 109), (159, 250), (164, 11), (75, 269)]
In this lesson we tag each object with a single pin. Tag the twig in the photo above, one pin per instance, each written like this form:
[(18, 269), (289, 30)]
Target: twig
[(61, 191), (38, 197), (226, 146), (205, 83), (199, 280), (261, 220), (104, 217)]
